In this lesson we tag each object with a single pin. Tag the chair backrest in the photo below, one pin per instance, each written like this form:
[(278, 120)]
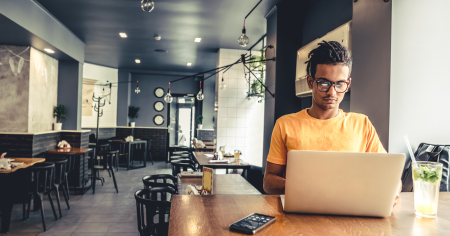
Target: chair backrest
[(178, 166), (60, 167), (151, 181), (40, 176), (109, 159), (147, 207)]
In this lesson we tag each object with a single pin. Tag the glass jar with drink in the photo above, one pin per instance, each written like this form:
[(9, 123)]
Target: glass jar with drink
[(427, 178)]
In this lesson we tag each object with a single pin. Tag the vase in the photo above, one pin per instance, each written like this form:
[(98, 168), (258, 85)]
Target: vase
[(200, 126), (132, 124), (57, 126)]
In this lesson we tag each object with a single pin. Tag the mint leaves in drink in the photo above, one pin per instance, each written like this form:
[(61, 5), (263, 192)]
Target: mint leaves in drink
[(428, 174)]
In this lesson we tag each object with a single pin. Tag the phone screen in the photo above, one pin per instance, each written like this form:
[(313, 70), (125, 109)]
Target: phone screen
[(252, 223)]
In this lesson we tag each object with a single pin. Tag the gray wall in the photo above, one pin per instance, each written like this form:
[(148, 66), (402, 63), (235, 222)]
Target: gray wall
[(209, 87), (419, 104), (371, 47), (70, 82), (123, 97)]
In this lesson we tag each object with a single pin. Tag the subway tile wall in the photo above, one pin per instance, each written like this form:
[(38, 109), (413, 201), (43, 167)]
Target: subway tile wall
[(240, 122)]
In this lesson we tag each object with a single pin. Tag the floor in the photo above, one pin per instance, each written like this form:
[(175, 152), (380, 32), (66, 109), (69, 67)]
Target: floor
[(105, 213)]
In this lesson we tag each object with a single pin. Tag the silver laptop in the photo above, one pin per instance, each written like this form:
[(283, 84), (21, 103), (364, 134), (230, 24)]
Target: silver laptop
[(342, 183)]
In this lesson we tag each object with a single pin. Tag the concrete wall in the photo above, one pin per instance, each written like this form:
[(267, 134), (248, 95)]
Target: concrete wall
[(43, 91), (14, 88), (419, 73)]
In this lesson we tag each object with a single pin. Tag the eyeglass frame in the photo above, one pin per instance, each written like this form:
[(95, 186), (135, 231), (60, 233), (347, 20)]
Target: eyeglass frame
[(333, 84)]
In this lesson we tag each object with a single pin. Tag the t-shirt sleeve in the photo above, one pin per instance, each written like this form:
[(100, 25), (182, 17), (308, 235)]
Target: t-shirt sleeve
[(278, 150), (373, 141)]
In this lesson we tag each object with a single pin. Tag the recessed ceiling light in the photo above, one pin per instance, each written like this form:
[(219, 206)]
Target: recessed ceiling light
[(189, 64), (197, 40), (137, 61), (123, 35), (49, 50)]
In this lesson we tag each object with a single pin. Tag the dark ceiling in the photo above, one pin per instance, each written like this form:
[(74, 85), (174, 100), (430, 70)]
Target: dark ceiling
[(217, 22)]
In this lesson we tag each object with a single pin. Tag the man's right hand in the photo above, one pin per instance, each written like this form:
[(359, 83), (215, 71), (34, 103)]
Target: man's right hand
[(274, 181)]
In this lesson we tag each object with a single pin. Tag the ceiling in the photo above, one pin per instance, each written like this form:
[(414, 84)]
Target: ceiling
[(178, 22)]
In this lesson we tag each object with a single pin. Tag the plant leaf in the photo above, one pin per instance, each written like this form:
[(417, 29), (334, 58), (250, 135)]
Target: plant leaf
[(19, 67), (11, 64)]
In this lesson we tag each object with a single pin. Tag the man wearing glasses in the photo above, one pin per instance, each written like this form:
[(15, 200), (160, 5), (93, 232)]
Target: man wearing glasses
[(323, 127)]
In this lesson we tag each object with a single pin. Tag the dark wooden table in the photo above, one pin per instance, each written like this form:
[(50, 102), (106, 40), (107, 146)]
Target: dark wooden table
[(82, 154), (9, 188), (212, 215), (130, 152), (203, 161), (206, 149), (222, 184), (208, 143)]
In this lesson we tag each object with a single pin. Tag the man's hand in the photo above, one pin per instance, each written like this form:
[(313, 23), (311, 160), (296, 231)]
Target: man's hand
[(397, 196), (274, 181)]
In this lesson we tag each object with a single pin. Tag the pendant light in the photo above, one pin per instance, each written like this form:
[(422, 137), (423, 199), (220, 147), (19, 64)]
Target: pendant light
[(147, 5), (222, 85), (168, 98), (243, 39), (200, 95), (137, 90)]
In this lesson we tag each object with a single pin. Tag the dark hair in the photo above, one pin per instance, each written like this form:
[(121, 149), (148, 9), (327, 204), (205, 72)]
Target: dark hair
[(330, 52)]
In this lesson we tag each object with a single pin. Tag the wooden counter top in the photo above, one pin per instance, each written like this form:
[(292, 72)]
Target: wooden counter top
[(222, 184), (27, 163)]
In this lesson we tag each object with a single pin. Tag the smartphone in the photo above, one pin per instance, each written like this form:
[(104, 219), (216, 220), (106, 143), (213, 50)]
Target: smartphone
[(252, 223)]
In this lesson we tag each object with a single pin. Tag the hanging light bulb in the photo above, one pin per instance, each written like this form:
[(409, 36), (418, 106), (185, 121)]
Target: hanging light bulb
[(103, 92), (147, 5), (222, 85), (137, 90), (243, 39), (168, 98), (200, 95)]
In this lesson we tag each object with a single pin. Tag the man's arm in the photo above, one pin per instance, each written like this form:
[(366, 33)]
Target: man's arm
[(273, 178)]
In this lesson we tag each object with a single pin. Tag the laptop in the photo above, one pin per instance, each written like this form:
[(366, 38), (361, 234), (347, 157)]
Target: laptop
[(342, 183)]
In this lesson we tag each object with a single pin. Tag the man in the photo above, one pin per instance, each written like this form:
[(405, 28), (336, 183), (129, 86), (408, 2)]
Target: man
[(323, 127)]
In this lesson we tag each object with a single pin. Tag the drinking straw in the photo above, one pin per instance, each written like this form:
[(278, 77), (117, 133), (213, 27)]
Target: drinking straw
[(413, 159)]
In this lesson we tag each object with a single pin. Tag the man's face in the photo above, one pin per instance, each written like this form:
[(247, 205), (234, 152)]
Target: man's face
[(333, 73)]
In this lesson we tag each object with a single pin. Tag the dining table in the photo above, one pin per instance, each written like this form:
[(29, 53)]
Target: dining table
[(10, 184), (203, 159), (222, 184), (79, 175), (126, 149), (212, 215), (206, 149)]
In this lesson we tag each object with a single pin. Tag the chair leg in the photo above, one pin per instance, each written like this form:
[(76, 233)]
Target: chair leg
[(66, 194), (109, 172), (29, 206), (58, 200), (42, 211), (115, 183), (67, 186), (49, 193), (94, 179), (24, 205), (151, 157)]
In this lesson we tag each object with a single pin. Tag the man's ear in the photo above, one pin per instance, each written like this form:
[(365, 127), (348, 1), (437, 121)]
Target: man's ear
[(349, 83), (310, 81)]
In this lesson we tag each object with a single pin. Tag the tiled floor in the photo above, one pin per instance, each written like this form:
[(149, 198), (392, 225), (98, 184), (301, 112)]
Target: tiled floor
[(105, 213)]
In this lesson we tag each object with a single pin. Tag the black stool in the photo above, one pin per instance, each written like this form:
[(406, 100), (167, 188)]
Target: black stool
[(59, 180), (108, 164), (39, 182)]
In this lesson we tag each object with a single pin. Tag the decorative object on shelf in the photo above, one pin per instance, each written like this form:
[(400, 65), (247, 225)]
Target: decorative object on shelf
[(200, 95), (243, 39), (59, 112), (129, 139), (159, 92), (147, 5), (168, 98), (159, 106), (222, 85), (64, 144), (137, 90), (133, 113), (158, 120), (199, 120)]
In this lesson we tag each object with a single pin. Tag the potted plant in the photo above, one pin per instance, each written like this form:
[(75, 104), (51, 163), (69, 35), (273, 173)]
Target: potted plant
[(199, 120), (59, 112), (133, 113)]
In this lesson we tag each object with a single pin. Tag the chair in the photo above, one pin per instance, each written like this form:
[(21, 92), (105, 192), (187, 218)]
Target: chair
[(59, 180), (39, 182), (147, 206), (108, 164), (179, 165), (149, 144), (151, 181)]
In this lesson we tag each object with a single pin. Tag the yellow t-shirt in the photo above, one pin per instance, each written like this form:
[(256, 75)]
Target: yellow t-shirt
[(347, 132)]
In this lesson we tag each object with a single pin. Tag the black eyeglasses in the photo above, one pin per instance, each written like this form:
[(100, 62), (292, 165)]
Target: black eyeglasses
[(324, 85)]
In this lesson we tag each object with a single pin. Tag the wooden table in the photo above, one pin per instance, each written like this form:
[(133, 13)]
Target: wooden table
[(82, 154), (208, 143), (10, 184), (212, 215), (222, 184), (206, 149), (129, 153), (203, 160)]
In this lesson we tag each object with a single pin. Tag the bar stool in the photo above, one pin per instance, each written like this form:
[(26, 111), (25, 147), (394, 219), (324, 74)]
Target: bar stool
[(108, 164), (59, 180), (39, 182)]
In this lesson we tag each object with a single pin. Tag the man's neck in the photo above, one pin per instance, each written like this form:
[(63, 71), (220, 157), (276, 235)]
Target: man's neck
[(321, 114)]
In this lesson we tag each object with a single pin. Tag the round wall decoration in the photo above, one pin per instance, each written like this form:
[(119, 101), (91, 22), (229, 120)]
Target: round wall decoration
[(158, 119), (159, 92), (159, 106)]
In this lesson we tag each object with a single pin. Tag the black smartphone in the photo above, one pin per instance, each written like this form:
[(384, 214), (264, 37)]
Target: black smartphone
[(252, 223)]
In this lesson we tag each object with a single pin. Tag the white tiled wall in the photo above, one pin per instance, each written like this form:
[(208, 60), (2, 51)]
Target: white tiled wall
[(240, 123)]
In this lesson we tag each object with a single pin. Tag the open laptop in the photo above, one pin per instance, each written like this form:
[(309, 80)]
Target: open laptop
[(342, 183)]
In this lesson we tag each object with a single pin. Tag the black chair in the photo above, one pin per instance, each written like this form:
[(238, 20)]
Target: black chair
[(108, 164), (147, 207), (59, 180), (39, 182), (182, 165), (149, 150), (70, 166), (151, 181)]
